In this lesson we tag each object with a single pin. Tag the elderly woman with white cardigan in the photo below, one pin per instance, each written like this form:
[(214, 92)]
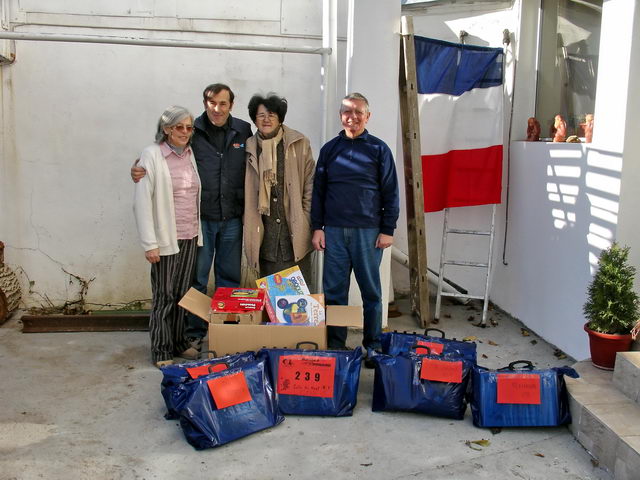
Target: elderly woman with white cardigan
[(167, 213)]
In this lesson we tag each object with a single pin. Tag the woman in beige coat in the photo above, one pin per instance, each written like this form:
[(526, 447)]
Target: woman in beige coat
[(278, 185)]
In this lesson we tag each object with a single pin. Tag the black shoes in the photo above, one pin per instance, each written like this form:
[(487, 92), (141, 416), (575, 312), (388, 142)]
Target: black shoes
[(369, 363), (340, 348)]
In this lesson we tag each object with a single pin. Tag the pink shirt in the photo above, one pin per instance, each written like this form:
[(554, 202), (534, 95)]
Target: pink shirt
[(185, 185)]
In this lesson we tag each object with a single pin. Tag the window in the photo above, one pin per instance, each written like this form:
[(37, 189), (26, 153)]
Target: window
[(568, 63)]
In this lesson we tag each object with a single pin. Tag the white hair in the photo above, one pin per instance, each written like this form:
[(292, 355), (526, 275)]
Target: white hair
[(170, 117)]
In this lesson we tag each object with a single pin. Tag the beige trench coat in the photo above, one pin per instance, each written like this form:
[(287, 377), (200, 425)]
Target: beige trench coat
[(299, 168)]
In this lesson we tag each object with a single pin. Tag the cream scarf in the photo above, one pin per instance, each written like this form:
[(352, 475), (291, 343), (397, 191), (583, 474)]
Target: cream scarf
[(267, 169)]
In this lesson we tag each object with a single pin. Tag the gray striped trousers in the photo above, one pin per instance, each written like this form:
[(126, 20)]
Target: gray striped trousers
[(171, 277)]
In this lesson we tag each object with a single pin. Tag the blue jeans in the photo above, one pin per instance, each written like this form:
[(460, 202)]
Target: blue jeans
[(222, 240), (353, 249)]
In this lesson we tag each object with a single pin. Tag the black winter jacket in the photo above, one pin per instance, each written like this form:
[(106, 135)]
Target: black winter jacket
[(221, 172)]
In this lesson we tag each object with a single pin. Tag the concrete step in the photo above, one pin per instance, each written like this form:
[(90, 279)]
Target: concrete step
[(626, 376), (605, 421)]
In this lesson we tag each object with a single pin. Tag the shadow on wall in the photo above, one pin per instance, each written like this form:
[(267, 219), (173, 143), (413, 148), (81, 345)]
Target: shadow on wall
[(564, 211), (583, 195)]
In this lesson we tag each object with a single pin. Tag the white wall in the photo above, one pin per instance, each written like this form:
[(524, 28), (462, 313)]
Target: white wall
[(75, 116), (562, 213), (618, 113)]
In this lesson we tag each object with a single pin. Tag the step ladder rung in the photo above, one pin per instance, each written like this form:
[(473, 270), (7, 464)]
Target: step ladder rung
[(465, 264), (461, 295), (468, 232), (462, 263)]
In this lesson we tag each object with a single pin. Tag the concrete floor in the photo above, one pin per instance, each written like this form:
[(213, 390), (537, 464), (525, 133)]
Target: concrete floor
[(88, 405)]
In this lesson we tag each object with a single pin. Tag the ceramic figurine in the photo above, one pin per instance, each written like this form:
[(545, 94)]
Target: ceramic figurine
[(559, 129), (588, 128), (533, 130)]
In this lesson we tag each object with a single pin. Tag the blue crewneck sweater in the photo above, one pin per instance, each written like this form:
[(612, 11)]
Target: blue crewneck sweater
[(355, 185)]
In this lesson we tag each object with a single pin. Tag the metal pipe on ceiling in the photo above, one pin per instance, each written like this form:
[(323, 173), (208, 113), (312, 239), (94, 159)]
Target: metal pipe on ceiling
[(50, 37)]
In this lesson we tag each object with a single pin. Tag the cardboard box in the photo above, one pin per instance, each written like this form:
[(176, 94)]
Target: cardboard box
[(255, 317), (226, 338)]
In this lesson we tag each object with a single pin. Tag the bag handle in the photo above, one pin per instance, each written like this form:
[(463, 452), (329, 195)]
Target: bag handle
[(428, 329), (313, 344), (207, 352), (211, 367), (512, 366), (426, 347)]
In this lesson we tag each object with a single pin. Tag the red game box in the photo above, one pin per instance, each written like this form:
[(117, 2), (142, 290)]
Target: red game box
[(237, 300)]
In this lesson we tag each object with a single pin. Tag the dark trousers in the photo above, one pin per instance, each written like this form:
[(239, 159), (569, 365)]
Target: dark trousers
[(269, 268), (354, 249), (222, 247), (171, 277)]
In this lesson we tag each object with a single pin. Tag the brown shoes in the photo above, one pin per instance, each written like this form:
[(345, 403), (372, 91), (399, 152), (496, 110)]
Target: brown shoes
[(164, 363), (190, 354)]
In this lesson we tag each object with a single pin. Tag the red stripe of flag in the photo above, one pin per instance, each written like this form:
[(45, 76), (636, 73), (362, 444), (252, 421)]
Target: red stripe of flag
[(461, 178)]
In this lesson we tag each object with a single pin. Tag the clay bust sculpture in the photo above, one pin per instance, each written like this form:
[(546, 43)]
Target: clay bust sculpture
[(588, 128), (559, 129), (533, 130)]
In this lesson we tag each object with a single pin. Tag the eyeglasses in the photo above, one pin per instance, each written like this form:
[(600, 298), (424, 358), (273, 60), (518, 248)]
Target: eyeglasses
[(183, 128), (264, 116)]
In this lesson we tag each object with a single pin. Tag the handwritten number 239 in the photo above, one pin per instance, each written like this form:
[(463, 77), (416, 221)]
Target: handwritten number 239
[(307, 376)]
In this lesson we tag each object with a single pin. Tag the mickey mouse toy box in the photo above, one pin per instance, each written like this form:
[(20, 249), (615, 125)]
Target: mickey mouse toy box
[(300, 309)]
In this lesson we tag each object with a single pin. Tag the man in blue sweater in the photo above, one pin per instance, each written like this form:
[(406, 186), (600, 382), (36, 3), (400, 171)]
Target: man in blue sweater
[(354, 211)]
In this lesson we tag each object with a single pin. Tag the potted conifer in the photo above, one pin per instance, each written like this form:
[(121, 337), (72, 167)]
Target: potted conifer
[(612, 307)]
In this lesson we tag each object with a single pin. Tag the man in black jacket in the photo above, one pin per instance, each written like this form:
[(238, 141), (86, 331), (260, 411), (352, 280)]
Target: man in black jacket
[(219, 147)]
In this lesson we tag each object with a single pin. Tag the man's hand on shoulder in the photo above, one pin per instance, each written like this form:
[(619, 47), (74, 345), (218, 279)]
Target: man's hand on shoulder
[(137, 172), (318, 240), (384, 241)]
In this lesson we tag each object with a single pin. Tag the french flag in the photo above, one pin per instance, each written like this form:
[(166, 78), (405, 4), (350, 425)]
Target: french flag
[(460, 101)]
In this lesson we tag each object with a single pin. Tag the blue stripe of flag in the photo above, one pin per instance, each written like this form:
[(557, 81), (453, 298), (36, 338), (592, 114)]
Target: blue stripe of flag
[(453, 68)]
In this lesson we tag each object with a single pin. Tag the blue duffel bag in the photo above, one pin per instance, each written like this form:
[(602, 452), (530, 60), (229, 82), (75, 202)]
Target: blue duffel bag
[(520, 397), (393, 343), (228, 405), (423, 383), (175, 376), (314, 382)]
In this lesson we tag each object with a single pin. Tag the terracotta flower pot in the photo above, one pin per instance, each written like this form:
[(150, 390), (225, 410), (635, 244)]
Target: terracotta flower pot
[(604, 347)]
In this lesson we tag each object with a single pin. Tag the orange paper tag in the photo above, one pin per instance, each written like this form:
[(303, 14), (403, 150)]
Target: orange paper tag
[(306, 375), (196, 372), (441, 371), (436, 348), (521, 388), (229, 390)]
